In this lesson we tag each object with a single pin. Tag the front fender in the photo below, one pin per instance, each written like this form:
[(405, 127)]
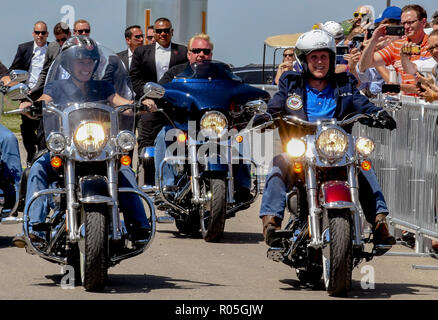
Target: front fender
[(94, 189), (335, 195)]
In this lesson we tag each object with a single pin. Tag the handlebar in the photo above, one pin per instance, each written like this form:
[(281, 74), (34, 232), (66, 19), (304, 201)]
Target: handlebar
[(297, 121)]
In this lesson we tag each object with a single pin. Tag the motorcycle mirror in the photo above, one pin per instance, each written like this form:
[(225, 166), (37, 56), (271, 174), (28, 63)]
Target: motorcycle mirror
[(153, 90), (18, 92), (257, 105), (19, 75)]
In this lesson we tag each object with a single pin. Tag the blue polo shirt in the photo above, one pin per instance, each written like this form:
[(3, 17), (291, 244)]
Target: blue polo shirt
[(320, 104)]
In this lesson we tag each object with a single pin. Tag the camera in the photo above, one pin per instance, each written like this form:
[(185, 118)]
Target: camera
[(370, 32), (395, 30), (390, 87), (341, 50)]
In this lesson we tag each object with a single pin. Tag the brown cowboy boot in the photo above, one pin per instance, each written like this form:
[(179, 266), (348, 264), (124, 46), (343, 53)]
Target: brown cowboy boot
[(270, 224), (381, 232)]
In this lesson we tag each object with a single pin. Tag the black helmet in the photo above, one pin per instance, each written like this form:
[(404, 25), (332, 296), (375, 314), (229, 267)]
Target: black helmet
[(79, 47)]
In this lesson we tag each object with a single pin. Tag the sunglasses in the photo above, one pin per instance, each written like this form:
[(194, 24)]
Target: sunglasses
[(61, 40), (83, 31), (40, 32), (199, 50), (159, 31), (358, 14), (288, 55), (149, 37), (139, 36)]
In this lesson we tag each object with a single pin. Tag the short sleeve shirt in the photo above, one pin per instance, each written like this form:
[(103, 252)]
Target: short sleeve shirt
[(391, 55), (320, 104), (65, 91)]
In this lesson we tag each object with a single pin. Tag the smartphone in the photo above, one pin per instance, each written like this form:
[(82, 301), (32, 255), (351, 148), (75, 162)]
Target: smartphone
[(390, 87), (359, 37), (370, 32), (341, 50), (395, 30)]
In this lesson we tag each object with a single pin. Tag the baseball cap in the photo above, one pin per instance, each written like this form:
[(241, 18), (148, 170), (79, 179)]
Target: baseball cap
[(392, 12)]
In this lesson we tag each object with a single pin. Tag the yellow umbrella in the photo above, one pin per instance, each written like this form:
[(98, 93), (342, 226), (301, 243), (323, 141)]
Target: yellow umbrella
[(282, 40)]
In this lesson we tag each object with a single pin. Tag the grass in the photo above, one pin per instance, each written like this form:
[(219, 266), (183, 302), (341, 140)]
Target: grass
[(13, 121)]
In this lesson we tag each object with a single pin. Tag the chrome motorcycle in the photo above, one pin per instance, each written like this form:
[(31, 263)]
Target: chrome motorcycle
[(88, 142), (209, 105), (324, 236)]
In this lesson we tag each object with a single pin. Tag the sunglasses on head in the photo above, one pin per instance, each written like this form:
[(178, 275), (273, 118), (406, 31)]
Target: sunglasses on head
[(288, 55), (358, 14), (139, 36), (83, 31), (166, 30), (198, 50), (61, 40), (40, 32)]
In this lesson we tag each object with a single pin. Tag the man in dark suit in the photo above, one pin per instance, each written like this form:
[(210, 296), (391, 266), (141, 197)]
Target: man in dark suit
[(134, 38), (149, 63), (30, 57)]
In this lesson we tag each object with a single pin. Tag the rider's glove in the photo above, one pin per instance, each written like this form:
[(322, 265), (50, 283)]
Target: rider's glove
[(260, 119), (385, 120)]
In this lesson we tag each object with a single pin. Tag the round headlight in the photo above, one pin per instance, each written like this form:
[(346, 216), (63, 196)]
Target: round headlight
[(126, 140), (296, 148), (365, 146), (90, 137), (332, 144), (214, 123), (56, 142)]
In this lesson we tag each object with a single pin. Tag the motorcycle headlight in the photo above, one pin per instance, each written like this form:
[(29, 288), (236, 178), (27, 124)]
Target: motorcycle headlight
[(365, 146), (90, 138), (126, 140), (332, 144), (214, 123), (296, 148), (56, 142)]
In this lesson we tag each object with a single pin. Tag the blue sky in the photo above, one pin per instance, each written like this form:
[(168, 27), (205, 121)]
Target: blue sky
[(237, 27)]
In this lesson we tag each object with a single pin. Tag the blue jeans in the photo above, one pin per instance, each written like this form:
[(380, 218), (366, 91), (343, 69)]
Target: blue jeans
[(281, 178), (241, 172), (43, 176), (10, 159)]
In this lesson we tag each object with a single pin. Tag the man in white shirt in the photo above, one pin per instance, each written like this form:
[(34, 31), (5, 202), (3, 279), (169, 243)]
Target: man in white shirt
[(30, 57), (149, 63), (134, 38)]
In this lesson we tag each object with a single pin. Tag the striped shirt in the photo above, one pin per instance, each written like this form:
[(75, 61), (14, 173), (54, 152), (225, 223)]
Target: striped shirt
[(391, 56)]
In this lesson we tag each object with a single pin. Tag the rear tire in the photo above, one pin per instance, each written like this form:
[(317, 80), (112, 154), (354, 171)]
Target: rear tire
[(338, 270), (213, 214), (94, 263)]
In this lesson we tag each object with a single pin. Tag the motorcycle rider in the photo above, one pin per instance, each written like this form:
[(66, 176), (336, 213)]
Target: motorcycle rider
[(80, 58), (10, 161), (319, 93), (199, 49)]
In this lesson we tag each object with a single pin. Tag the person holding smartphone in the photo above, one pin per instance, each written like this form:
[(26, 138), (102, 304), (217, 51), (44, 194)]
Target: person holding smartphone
[(413, 19)]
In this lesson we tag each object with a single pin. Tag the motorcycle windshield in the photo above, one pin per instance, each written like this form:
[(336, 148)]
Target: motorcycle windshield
[(209, 70), (82, 86)]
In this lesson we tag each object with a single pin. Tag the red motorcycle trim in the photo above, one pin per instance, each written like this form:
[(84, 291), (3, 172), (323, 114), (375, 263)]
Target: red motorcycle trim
[(334, 191)]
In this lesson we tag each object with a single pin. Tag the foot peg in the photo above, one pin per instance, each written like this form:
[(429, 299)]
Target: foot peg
[(381, 249), (12, 220), (276, 254)]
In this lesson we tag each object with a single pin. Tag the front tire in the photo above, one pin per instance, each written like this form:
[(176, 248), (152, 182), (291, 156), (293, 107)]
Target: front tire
[(94, 262), (338, 268), (213, 214)]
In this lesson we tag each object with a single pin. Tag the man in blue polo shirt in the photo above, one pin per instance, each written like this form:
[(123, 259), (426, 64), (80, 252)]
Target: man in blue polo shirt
[(319, 93)]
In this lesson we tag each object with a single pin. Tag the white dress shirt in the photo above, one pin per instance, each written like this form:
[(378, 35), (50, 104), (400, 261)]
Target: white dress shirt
[(162, 59), (129, 58), (36, 64)]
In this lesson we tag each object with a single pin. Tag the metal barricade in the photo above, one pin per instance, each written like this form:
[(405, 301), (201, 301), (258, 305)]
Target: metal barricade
[(406, 164)]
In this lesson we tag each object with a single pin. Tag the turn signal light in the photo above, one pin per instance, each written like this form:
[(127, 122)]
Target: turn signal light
[(366, 165), (239, 139), (125, 160), (56, 162), (182, 138), (298, 167)]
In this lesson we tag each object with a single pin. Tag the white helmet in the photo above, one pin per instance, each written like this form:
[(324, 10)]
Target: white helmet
[(315, 40), (334, 28)]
